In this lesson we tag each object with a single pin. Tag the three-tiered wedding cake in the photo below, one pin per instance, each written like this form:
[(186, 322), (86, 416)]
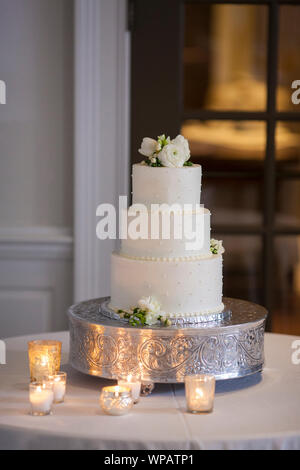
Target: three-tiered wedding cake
[(168, 281), (157, 277)]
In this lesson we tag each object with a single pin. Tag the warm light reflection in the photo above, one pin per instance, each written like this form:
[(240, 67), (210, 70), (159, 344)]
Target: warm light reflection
[(200, 393), (44, 359), (116, 400)]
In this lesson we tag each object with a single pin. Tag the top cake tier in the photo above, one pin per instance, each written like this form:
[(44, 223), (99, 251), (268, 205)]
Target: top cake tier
[(162, 185)]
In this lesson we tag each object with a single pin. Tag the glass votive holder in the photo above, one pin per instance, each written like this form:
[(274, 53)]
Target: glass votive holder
[(41, 398), (116, 400), (200, 393), (134, 384), (44, 359), (59, 384)]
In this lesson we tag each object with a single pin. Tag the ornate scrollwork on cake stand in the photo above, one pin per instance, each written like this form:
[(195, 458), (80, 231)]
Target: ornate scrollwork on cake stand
[(107, 347)]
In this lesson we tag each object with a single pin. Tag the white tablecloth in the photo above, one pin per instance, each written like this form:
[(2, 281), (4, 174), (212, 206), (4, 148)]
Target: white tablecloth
[(258, 412)]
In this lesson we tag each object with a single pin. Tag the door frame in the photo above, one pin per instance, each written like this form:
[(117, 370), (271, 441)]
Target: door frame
[(102, 117)]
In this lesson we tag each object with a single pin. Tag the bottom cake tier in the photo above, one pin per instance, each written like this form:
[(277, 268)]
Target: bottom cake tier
[(188, 287)]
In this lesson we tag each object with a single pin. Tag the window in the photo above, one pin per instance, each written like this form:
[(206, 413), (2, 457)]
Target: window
[(221, 73)]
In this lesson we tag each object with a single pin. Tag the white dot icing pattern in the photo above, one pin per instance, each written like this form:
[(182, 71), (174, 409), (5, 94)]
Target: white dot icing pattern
[(185, 283), (153, 185), (165, 249), (132, 278)]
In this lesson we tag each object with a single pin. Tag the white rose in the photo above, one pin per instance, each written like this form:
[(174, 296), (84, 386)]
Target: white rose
[(172, 156), (148, 147), (149, 304), (182, 144)]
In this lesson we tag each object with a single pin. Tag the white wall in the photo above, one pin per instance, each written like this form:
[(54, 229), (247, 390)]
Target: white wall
[(36, 155), (36, 164)]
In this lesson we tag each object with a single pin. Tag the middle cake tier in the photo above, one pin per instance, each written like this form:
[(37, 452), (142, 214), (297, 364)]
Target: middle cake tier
[(166, 234), (182, 288)]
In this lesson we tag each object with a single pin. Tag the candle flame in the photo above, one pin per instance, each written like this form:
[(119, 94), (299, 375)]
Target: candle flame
[(44, 360), (199, 393)]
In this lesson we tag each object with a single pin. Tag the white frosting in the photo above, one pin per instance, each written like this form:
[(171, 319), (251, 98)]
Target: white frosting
[(172, 248), (181, 287), (183, 281), (167, 259), (159, 185)]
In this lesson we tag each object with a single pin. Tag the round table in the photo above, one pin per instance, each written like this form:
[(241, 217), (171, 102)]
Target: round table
[(257, 412)]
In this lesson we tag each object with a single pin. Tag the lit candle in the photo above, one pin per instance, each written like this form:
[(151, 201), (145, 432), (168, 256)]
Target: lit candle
[(58, 382), (44, 359), (116, 401), (42, 366), (41, 398), (200, 392), (134, 385)]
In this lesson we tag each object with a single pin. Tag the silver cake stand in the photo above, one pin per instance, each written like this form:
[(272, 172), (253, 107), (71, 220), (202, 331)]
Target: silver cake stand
[(229, 347)]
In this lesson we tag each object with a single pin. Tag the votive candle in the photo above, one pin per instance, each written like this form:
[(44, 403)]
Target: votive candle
[(116, 400), (200, 393), (44, 359), (134, 385), (41, 398), (59, 382)]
